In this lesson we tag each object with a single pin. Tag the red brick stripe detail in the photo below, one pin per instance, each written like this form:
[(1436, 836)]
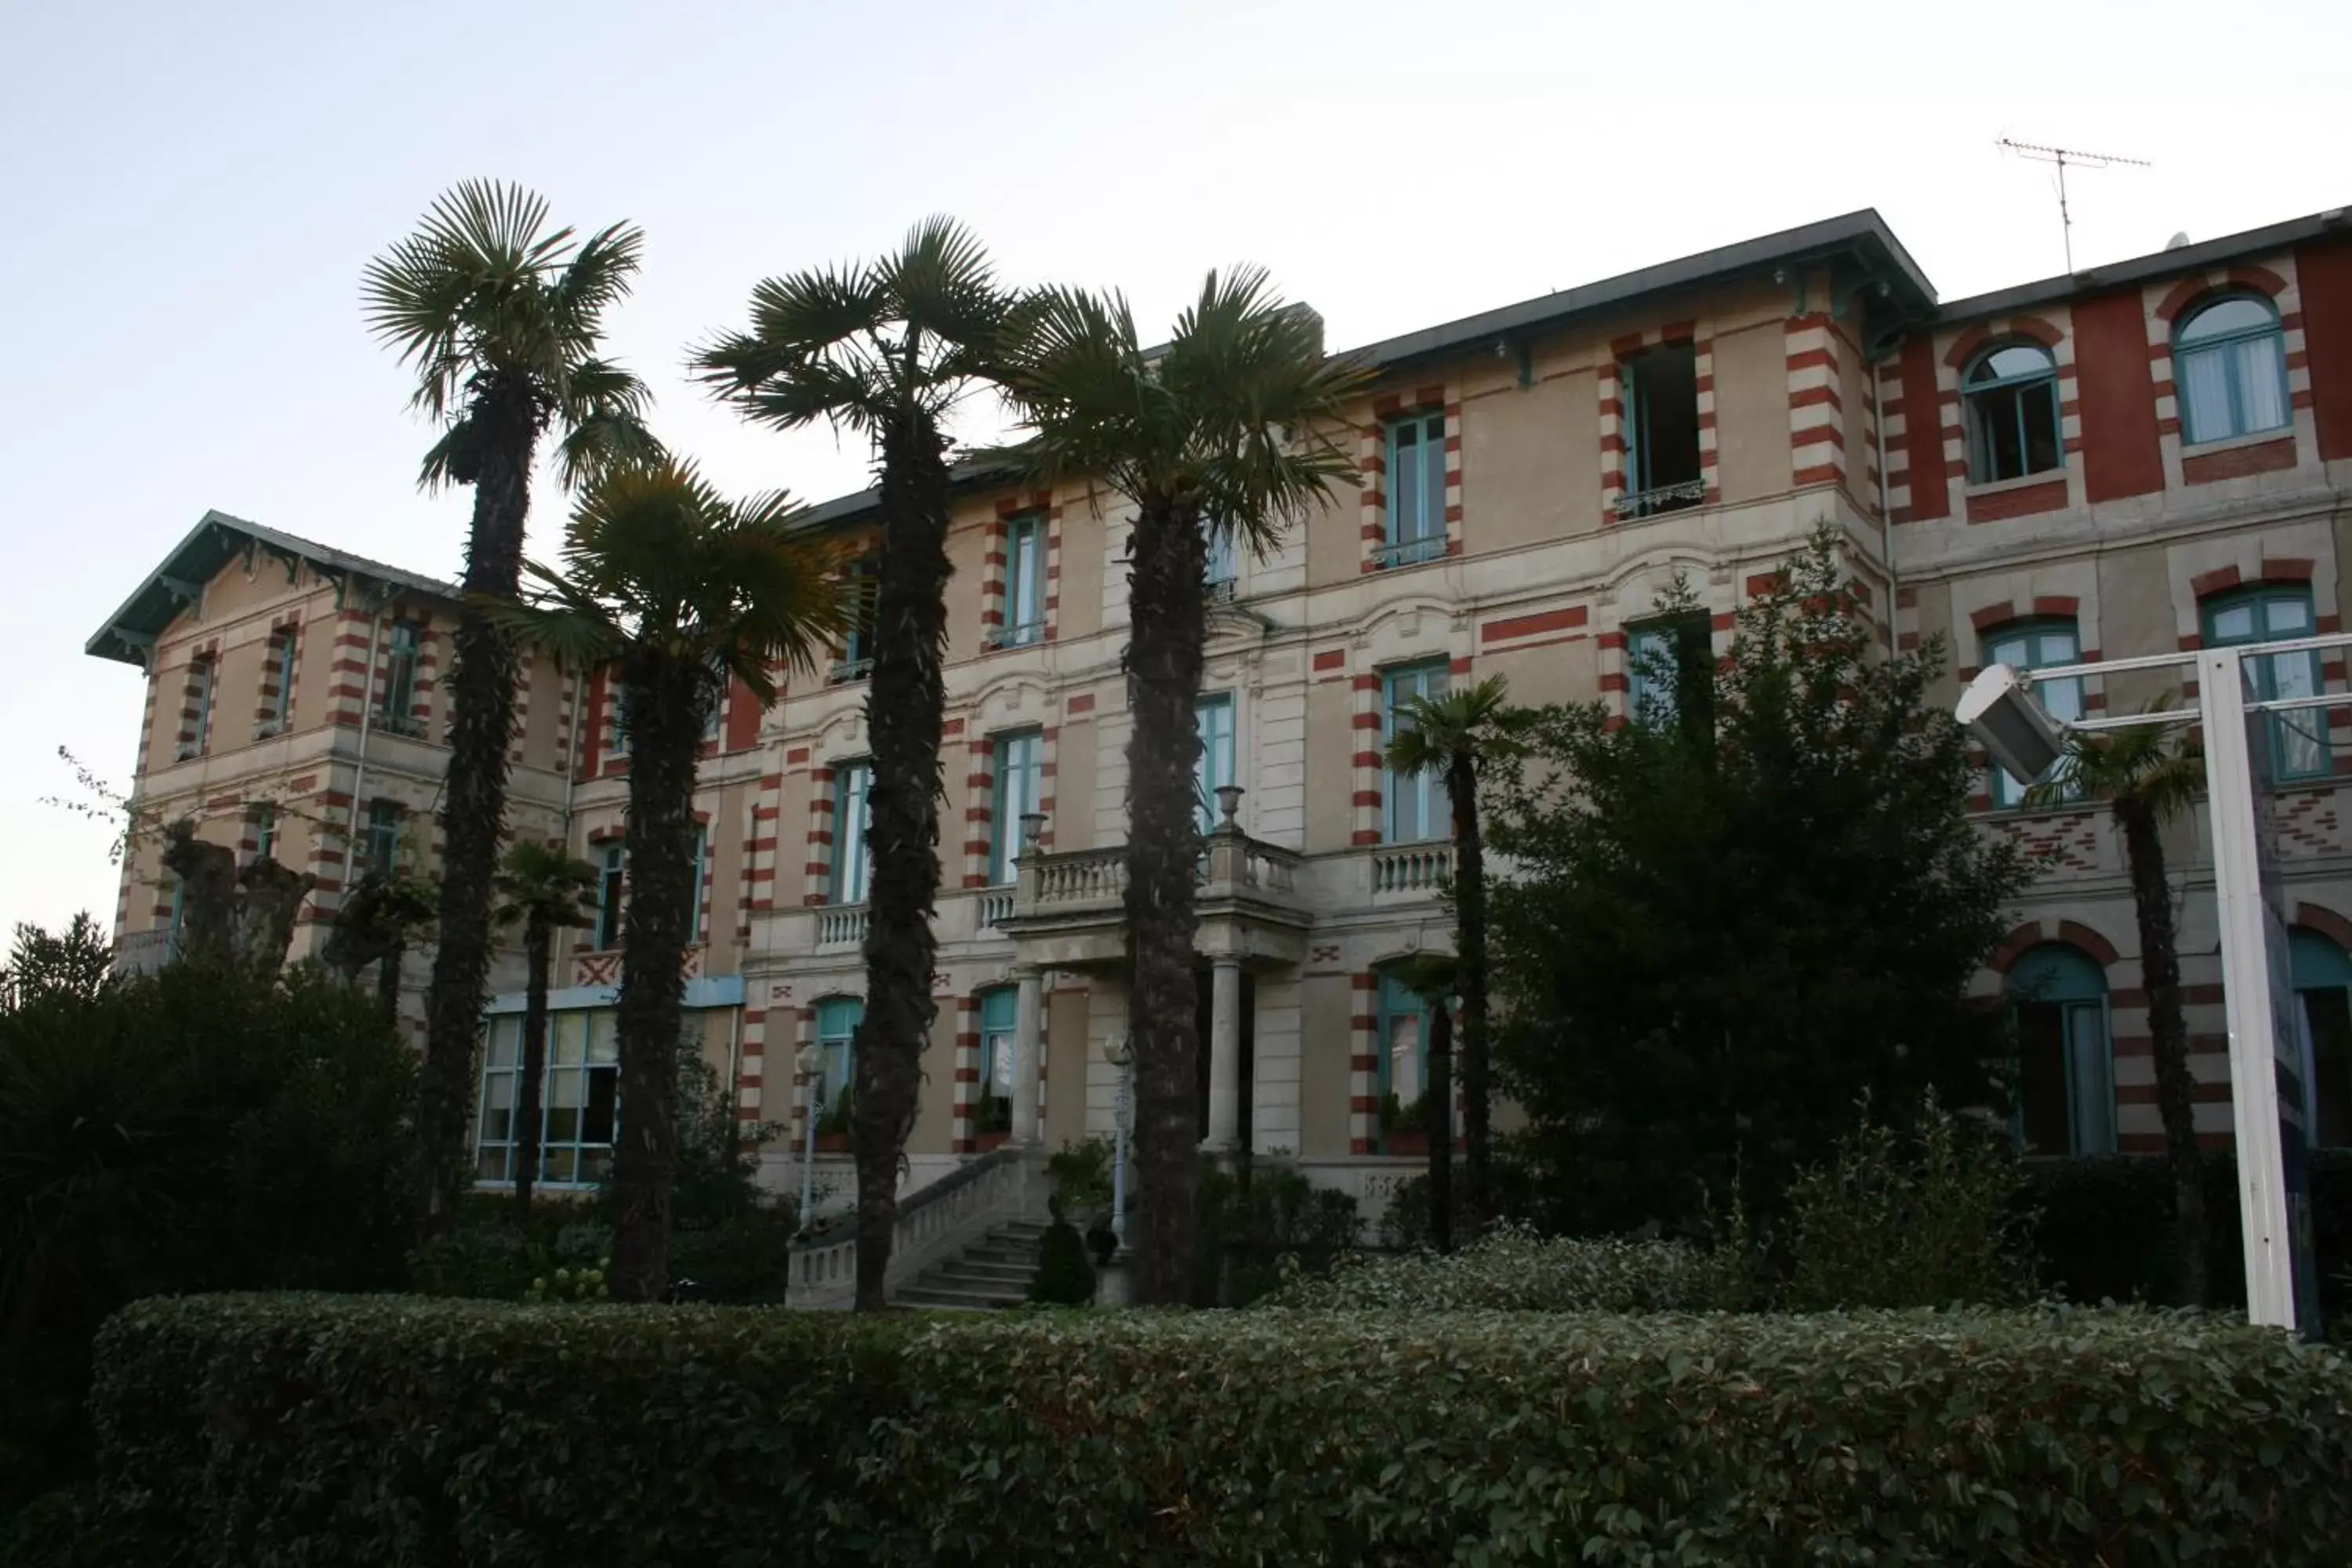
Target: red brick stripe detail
[(2326, 922), (2056, 605), (1331, 659), (2089, 940), (2012, 947), (1511, 626), (2002, 505), (2236, 462), (1084, 703)]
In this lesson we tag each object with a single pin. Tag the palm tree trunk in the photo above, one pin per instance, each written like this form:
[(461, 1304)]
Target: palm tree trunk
[(473, 816), (387, 978), (1168, 607), (2176, 1087), (666, 708), (538, 941), (905, 705), (1438, 1117), (1470, 938)]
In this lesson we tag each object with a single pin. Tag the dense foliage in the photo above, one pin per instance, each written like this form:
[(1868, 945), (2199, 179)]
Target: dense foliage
[(1513, 1269), (196, 1130), (1065, 1276), (1260, 1221), (1726, 921), (310, 1430)]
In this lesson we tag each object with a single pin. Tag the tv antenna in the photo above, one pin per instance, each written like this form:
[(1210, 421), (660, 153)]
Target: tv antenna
[(2061, 156)]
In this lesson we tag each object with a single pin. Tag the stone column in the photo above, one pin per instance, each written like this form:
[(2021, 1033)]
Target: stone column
[(1224, 1056), (1028, 1000)]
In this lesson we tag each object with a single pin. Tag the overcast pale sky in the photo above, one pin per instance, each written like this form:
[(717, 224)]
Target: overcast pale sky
[(191, 193)]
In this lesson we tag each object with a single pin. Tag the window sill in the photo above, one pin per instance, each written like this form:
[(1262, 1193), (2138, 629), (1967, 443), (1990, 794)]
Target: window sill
[(2003, 487), (1412, 552), (1001, 640), (2237, 443)]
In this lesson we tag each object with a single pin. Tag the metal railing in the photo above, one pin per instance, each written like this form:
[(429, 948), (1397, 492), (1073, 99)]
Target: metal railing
[(1408, 552), (845, 670), (1662, 499), (1412, 868), (841, 925), (1021, 635), (1220, 590), (145, 951)]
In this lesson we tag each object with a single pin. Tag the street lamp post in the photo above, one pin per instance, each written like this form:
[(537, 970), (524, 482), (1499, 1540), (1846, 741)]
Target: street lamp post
[(1120, 1053)]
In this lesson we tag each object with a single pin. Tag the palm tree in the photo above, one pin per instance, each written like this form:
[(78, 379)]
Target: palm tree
[(2148, 777), (886, 350), (1436, 978), (680, 588), (501, 320), (1224, 431), (1459, 732), (542, 888)]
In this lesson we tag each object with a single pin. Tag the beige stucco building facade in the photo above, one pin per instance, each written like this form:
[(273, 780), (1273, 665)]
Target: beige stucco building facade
[(2075, 468)]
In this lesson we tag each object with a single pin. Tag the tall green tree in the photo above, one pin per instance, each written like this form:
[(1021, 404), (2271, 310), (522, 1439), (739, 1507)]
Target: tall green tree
[(1717, 937), (501, 319), (886, 350), (678, 588), (544, 889), (2148, 776), (1225, 431), (1456, 734)]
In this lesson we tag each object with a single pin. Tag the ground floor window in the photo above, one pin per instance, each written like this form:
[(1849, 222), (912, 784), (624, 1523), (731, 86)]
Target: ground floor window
[(1400, 1063), (578, 1098), (2323, 994), (999, 1016), (2065, 1090), (837, 1019)]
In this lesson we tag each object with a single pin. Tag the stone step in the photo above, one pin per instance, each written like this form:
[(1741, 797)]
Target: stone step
[(994, 1252), (970, 1267), (963, 1300)]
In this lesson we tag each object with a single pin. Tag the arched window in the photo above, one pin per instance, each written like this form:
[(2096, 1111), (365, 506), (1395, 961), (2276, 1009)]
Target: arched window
[(2229, 361), (2065, 1084), (2323, 991), (2042, 643), (2011, 393)]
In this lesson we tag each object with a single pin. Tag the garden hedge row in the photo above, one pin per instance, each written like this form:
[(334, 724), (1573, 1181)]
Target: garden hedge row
[(323, 1430)]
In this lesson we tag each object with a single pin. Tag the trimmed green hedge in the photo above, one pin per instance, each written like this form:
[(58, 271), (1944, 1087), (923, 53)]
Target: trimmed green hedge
[(318, 1430), (1514, 1270)]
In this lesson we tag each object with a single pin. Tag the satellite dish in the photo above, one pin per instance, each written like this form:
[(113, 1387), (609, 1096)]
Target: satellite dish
[(2178, 242)]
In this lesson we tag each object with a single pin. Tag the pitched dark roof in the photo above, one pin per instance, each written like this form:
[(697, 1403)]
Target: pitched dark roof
[(211, 545), (2156, 264)]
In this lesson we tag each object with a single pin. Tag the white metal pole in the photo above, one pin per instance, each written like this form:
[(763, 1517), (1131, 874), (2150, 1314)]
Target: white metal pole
[(2253, 958), (1119, 1157)]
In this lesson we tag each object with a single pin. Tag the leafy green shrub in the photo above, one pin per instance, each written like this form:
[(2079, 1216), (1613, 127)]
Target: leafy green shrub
[(1513, 1269), (1922, 1219), (1254, 1218), (396, 1431), (1065, 1278), (572, 1285), (194, 1131)]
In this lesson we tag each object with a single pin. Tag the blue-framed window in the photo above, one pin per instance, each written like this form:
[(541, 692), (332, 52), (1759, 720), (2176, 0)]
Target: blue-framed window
[(999, 1019), (2040, 644), (1654, 651), (204, 679), (1212, 720), (857, 648), (1025, 582), (1221, 568), (1415, 803), (2010, 392), (853, 786), (837, 1019), (616, 715), (2229, 361), (1416, 489), (719, 681), (2298, 739), (281, 670), (694, 894), (612, 875), (396, 702), (2065, 1070), (264, 832), (1017, 777), (384, 823), (2322, 977), (1660, 403), (1401, 1054), (578, 1098)]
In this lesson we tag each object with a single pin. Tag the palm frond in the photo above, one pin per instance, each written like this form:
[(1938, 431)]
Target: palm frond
[(603, 408), (943, 285), (600, 275), (577, 633), (1478, 721)]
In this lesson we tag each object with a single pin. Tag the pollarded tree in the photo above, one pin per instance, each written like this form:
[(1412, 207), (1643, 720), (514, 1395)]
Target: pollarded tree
[(886, 350), (544, 889), (1226, 431), (2148, 777), (1455, 734), (502, 319), (680, 589)]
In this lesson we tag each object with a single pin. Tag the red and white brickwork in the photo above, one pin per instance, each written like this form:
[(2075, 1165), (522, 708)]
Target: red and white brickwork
[(1373, 461), (1817, 415), (2014, 497), (280, 659), (200, 683), (1611, 403), (817, 869), (1363, 1065), (962, 1135), (2167, 307)]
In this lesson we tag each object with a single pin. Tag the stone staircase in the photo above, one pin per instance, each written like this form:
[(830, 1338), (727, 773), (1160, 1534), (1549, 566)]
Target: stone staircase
[(992, 1272)]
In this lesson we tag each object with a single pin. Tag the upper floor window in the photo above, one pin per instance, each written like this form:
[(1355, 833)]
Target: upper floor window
[(856, 661), (1220, 571), (383, 836), (1415, 802), (2322, 975), (616, 716), (2041, 643), (837, 1019), (2298, 737), (1416, 491), (264, 832), (694, 899), (1657, 653), (2230, 363), (279, 670), (396, 702), (2011, 394), (611, 872), (204, 678), (1660, 400), (1213, 720), (1017, 771), (719, 680), (2065, 1078), (851, 784), (1025, 582)]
